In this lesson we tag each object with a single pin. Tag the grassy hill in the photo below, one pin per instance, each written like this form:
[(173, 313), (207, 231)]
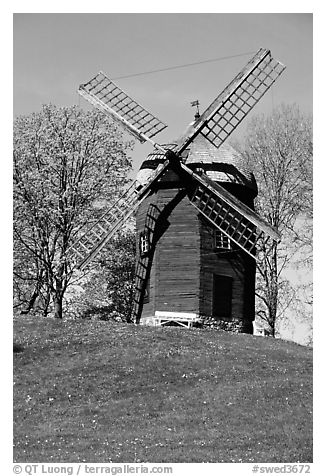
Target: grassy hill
[(101, 392)]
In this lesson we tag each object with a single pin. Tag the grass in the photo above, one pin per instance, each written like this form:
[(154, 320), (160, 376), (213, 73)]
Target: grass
[(105, 392)]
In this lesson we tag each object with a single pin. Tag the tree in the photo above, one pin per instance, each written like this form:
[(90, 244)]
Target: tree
[(278, 149), (107, 291), (68, 165)]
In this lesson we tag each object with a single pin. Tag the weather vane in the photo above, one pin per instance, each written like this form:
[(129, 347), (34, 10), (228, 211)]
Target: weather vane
[(196, 103)]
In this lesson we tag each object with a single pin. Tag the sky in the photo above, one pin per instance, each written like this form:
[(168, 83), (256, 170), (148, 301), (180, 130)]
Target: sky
[(53, 53)]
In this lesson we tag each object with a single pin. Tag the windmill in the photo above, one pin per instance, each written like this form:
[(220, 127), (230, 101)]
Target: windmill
[(198, 235)]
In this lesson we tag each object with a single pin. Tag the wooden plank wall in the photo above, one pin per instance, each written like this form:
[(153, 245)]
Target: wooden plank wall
[(174, 275), (178, 259), (235, 265)]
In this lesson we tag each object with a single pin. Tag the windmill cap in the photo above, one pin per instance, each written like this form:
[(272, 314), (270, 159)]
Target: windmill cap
[(224, 164)]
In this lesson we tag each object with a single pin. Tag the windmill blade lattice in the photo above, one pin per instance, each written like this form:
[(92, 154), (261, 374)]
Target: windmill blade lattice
[(236, 101), (237, 221), (92, 241), (104, 94)]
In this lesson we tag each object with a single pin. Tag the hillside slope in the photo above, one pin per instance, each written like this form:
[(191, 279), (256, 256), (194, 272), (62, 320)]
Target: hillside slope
[(101, 392)]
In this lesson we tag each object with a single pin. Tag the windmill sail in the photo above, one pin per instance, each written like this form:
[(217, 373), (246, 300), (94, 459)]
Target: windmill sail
[(91, 242), (237, 221), (113, 101), (234, 103)]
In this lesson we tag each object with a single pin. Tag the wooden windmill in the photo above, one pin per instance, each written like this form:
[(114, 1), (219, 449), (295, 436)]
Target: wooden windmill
[(198, 235)]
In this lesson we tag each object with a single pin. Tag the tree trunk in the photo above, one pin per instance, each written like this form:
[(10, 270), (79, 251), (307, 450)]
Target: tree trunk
[(31, 303), (274, 289), (58, 294), (46, 302), (35, 293), (272, 325), (57, 301)]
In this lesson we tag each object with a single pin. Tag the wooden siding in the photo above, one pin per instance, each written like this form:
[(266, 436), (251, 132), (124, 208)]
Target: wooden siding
[(175, 266), (235, 265), (178, 258)]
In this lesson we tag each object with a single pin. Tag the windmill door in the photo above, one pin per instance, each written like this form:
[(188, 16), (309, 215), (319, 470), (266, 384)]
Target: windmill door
[(222, 296)]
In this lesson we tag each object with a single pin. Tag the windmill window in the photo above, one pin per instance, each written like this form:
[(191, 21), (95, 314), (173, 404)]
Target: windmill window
[(144, 243), (222, 296), (221, 241)]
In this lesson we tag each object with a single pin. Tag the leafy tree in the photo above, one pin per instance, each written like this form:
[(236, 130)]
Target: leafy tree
[(68, 164), (108, 289), (279, 150)]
